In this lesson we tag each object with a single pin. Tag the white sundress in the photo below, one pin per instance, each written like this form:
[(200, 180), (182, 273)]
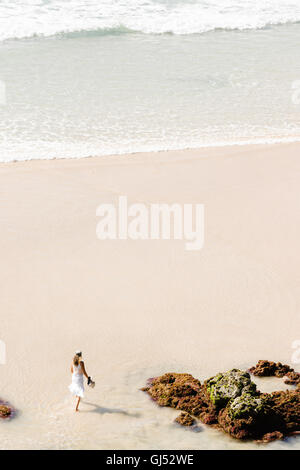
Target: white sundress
[(77, 386)]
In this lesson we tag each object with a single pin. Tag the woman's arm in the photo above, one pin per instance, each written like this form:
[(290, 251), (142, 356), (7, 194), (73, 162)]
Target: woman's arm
[(83, 369)]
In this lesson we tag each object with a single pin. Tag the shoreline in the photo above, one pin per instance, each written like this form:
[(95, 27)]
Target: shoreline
[(138, 309), (201, 148)]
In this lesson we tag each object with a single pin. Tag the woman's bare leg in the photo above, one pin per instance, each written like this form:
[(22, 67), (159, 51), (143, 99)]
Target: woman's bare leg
[(77, 405)]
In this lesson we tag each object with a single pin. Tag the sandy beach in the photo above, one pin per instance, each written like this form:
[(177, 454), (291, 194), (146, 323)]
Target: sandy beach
[(138, 309)]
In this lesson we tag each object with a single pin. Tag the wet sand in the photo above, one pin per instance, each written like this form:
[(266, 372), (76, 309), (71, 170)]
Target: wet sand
[(141, 308)]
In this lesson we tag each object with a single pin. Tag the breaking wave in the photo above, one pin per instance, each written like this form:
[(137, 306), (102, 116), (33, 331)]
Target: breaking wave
[(34, 18)]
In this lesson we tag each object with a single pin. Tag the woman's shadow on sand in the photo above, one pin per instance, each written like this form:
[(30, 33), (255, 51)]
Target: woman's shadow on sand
[(103, 410)]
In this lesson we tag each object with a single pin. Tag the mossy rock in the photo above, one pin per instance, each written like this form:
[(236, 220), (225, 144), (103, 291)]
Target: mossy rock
[(248, 405), (229, 385), (231, 402)]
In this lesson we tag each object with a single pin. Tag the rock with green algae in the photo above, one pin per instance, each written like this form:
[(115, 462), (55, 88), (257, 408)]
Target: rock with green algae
[(230, 401), (262, 427), (226, 386), (248, 405), (250, 417)]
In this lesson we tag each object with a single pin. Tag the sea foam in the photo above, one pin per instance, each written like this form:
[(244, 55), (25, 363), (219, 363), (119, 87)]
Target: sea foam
[(32, 18)]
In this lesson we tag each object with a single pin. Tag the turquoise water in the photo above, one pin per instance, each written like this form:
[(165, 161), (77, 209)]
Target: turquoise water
[(88, 78)]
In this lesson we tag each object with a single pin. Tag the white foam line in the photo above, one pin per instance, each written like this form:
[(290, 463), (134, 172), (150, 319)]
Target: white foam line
[(19, 19), (262, 141)]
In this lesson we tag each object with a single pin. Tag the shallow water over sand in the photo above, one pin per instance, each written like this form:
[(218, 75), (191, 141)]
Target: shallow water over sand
[(138, 309), (70, 97), (119, 416)]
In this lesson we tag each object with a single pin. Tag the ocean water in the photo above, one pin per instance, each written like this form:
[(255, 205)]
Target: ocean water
[(99, 77)]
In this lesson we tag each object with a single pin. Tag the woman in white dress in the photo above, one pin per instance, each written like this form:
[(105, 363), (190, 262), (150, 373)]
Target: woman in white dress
[(77, 371)]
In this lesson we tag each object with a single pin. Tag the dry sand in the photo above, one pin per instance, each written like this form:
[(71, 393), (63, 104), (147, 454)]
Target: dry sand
[(141, 308)]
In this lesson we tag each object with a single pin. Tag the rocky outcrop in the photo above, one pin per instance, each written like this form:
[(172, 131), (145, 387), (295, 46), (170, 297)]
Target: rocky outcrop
[(231, 402), (293, 378), (276, 369), (185, 419), (183, 392), (6, 411), (272, 436), (250, 417), (225, 387), (286, 405)]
